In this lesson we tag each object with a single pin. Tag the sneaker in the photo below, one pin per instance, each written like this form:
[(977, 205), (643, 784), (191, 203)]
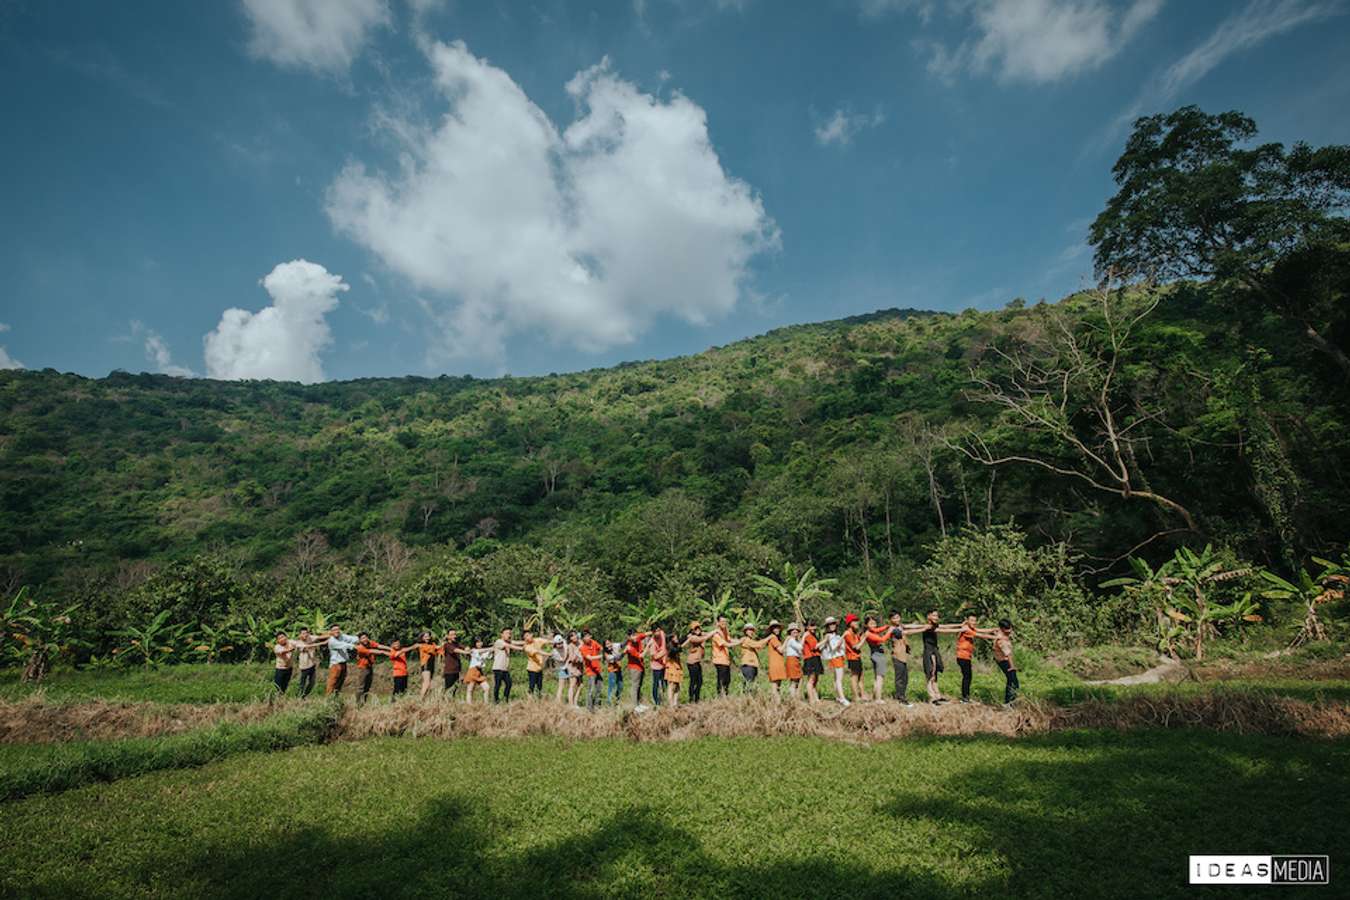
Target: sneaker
[(844, 701), (908, 705), (965, 699)]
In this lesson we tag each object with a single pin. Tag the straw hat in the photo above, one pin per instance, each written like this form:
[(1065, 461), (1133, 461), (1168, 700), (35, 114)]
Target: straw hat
[(831, 620), (695, 624), (793, 626), (774, 623), (748, 626)]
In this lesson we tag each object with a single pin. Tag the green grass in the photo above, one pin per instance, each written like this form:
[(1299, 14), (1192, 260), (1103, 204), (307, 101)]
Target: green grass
[(234, 683), (1071, 815), (27, 769)]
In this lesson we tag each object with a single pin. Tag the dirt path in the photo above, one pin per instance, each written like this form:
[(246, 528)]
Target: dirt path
[(1168, 669)]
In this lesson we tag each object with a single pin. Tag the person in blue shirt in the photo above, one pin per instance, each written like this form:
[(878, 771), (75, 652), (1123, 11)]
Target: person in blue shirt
[(341, 647)]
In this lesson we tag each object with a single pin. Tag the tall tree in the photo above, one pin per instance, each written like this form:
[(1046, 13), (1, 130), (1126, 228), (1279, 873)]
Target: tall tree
[(1195, 201)]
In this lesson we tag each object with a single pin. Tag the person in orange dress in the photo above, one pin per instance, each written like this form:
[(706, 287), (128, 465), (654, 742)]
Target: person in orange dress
[(674, 670), (428, 648), (773, 649), (812, 666)]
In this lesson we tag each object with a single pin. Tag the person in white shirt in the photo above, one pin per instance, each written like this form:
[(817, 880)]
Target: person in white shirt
[(792, 658), (832, 652), (501, 664)]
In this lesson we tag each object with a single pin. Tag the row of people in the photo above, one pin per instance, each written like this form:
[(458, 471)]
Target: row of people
[(798, 656)]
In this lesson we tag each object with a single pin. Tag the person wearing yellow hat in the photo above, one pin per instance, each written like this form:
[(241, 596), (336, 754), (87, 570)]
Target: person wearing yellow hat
[(750, 647), (693, 659)]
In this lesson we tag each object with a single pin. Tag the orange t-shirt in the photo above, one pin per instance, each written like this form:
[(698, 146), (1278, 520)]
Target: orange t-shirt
[(591, 654), (427, 651), (965, 644), (400, 660), (365, 656), (852, 642), (633, 650), (721, 652), (810, 646), (876, 636)]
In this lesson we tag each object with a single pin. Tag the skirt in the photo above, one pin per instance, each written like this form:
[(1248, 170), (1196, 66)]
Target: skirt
[(813, 666), (474, 676), (794, 668)]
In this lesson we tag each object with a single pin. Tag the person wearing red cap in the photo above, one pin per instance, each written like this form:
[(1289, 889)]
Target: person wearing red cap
[(853, 642)]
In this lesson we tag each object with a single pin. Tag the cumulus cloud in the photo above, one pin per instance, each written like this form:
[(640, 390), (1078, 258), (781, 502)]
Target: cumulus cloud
[(1037, 41), (324, 35), (586, 235), (3, 327), (843, 126), (281, 341), (156, 350), (7, 361)]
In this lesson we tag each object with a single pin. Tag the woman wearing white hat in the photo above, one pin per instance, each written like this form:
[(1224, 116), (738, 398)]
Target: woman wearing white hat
[(750, 647), (832, 652)]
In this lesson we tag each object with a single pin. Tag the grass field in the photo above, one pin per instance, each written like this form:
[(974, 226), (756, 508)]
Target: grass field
[(1083, 814)]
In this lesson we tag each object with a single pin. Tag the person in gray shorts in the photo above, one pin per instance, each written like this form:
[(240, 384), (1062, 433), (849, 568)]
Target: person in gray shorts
[(881, 657)]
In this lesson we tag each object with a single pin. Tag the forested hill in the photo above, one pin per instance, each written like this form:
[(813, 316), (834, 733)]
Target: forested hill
[(852, 445)]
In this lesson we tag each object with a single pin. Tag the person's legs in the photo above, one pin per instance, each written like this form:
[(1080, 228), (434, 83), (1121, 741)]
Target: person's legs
[(879, 665), (612, 687), (281, 679), (695, 682), (964, 665), (658, 686), (363, 687), (535, 688), (1011, 685), (497, 681), (400, 685), (592, 691), (637, 676), (562, 686), (813, 687), (673, 693), (426, 684), (723, 679), (902, 681), (839, 687), (930, 674)]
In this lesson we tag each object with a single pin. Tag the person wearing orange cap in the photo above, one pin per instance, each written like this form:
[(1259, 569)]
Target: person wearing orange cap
[(693, 659), (853, 643)]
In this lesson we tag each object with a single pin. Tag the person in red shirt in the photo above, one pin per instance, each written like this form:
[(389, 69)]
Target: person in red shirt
[(592, 658), (812, 667), (366, 651), (876, 636), (853, 642), (637, 667)]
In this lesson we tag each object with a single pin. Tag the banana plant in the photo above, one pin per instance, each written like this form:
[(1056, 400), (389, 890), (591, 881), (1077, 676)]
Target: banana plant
[(38, 632), (1312, 591), (548, 600), (213, 642), (255, 634), (646, 613), (794, 589), (152, 643), (714, 609), (572, 621)]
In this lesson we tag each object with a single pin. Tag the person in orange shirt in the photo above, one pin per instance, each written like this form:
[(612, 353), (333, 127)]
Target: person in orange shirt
[(674, 671), (366, 651), (398, 656), (853, 642), (721, 655), (750, 647), (773, 649), (427, 650), (657, 649), (812, 667), (536, 657), (965, 650), (693, 659), (592, 658)]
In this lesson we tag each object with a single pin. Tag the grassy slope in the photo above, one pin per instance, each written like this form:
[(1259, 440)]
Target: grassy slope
[(1109, 814)]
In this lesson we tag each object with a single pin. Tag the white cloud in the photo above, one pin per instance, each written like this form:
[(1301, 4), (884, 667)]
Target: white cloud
[(157, 351), (1036, 41), (3, 328), (7, 361), (281, 341), (324, 35), (585, 235), (843, 126), (1253, 25)]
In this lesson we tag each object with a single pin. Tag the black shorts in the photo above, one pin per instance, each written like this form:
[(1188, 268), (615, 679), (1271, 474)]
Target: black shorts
[(855, 666), (429, 665), (932, 664), (813, 666), (450, 679)]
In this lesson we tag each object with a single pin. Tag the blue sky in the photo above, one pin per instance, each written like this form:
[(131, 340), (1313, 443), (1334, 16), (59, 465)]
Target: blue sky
[(319, 189)]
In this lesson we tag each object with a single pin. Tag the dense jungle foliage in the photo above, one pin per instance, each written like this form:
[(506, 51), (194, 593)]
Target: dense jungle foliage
[(1204, 407)]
